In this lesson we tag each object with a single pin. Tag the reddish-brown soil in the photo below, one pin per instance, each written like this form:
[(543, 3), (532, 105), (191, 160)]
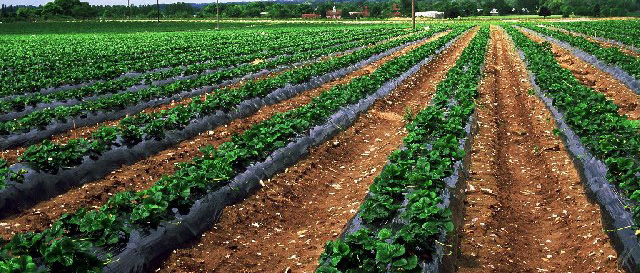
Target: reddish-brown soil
[(284, 226), (627, 100), (526, 208), (142, 174), (601, 43), (11, 155)]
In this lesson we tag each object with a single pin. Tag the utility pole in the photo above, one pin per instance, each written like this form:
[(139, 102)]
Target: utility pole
[(413, 13), (158, 7), (217, 14), (128, 9)]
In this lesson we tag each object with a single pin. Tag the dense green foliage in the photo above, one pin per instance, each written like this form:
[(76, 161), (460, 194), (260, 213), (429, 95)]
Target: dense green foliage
[(49, 156), (626, 32), (30, 63), (68, 246), (236, 59)]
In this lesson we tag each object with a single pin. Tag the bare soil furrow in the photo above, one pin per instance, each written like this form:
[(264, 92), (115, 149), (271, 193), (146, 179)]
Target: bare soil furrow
[(526, 207)]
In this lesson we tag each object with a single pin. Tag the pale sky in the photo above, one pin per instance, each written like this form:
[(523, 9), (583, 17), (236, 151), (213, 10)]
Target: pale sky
[(114, 2)]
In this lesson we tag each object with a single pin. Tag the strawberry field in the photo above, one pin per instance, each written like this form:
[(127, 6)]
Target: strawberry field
[(321, 147)]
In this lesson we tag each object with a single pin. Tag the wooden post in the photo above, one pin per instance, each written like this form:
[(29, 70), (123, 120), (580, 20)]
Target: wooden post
[(217, 14), (158, 7), (413, 13)]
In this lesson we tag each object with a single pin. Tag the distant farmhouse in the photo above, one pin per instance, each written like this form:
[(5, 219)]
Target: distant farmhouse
[(337, 13), (311, 16), (430, 14), (334, 13), (396, 10), (360, 14)]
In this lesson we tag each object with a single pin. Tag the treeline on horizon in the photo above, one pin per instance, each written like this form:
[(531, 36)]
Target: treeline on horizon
[(75, 9)]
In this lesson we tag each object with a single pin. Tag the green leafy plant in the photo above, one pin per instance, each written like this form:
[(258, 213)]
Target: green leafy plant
[(431, 149), (111, 224)]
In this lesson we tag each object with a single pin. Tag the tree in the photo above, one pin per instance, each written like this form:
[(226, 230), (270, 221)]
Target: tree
[(405, 7), (451, 9), (107, 13), (596, 10), (209, 10), (375, 10), (502, 6), (530, 5), (555, 6), (24, 13), (67, 6), (234, 11), (179, 9), (278, 11), (566, 11), (345, 13), (544, 11), (51, 9), (468, 7), (253, 9), (152, 14)]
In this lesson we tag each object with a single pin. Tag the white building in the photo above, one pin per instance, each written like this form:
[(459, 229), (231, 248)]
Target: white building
[(430, 14)]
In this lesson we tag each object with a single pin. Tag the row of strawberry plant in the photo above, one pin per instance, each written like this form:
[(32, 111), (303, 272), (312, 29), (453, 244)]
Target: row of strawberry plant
[(123, 143), (40, 119), (52, 64), (19, 103), (610, 137), (70, 244), (50, 156), (8, 174), (417, 171), (609, 55), (48, 65), (623, 31), (48, 58)]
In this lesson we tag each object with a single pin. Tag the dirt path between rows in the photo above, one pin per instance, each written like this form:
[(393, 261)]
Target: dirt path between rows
[(11, 155), (601, 43), (142, 174), (286, 224), (526, 207), (627, 100)]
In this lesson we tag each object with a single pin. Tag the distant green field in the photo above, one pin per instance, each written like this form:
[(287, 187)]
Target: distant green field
[(209, 24), (517, 16), (85, 27), (111, 27)]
